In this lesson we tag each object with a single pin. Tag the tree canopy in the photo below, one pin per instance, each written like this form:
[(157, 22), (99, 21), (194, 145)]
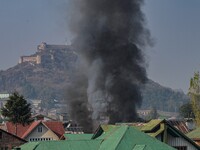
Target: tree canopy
[(186, 110), (194, 93), (17, 110)]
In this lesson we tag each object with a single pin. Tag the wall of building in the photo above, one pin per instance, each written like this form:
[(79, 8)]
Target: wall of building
[(40, 48), (8, 141), (4, 95), (179, 141), (43, 46), (34, 59), (45, 135)]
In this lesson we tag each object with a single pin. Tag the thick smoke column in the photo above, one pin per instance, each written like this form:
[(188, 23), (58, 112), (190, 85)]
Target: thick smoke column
[(108, 34)]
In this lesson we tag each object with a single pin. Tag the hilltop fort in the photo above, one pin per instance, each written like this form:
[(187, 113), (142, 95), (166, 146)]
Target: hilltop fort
[(41, 49)]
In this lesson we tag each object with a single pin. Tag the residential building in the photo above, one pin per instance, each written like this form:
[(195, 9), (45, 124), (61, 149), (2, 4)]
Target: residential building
[(9, 141), (4, 95), (181, 124), (38, 130), (42, 117), (115, 138), (72, 128), (3, 99), (165, 132)]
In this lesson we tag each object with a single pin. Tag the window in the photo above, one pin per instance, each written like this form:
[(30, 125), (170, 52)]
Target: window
[(181, 147), (40, 129), (40, 139)]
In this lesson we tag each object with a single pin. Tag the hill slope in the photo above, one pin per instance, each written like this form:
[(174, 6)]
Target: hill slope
[(47, 81), (163, 98), (42, 81)]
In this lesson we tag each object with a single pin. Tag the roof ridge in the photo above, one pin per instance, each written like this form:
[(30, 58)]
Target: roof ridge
[(31, 127), (43, 122), (112, 131), (121, 138)]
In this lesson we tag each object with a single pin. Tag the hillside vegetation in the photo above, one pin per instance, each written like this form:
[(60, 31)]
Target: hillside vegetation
[(48, 81), (162, 98), (41, 81)]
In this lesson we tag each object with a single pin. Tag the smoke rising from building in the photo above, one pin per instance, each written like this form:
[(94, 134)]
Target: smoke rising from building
[(109, 36)]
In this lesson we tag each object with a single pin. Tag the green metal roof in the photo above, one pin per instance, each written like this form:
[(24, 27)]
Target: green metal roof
[(78, 136), (129, 138), (115, 138), (151, 125), (154, 134), (141, 147), (195, 134), (69, 145), (63, 145), (107, 127), (29, 146)]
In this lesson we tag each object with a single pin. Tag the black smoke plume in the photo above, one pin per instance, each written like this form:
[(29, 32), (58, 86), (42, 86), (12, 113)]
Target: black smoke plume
[(109, 36)]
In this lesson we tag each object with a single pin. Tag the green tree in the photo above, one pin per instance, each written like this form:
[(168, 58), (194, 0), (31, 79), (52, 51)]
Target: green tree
[(17, 110), (186, 110), (194, 93)]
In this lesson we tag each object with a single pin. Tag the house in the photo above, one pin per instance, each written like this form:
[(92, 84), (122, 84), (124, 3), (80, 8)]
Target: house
[(181, 125), (4, 95), (195, 135), (3, 99), (37, 117), (64, 117), (115, 138), (127, 137), (9, 141), (36, 103), (165, 132), (72, 128), (38, 130)]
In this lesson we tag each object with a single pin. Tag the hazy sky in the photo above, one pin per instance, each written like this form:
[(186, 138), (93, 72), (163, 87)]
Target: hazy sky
[(174, 25)]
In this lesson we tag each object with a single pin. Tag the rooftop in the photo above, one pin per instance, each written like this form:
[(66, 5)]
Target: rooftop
[(115, 138)]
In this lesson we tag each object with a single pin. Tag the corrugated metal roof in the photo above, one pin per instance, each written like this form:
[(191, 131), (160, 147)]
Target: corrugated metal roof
[(127, 138), (151, 125), (179, 124), (29, 146), (112, 138), (78, 136), (69, 145), (170, 129), (154, 134), (63, 145), (139, 147), (139, 138), (115, 138), (107, 127)]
